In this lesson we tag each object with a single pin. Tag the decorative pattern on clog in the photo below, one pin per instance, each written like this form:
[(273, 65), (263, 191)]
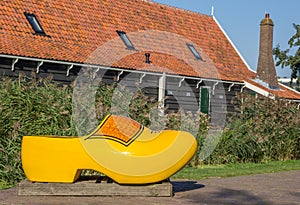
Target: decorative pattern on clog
[(118, 128)]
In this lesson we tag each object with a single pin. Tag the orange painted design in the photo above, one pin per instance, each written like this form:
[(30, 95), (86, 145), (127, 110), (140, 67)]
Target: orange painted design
[(118, 128)]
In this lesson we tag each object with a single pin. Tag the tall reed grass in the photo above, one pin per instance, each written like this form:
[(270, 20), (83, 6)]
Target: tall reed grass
[(262, 130), (30, 107)]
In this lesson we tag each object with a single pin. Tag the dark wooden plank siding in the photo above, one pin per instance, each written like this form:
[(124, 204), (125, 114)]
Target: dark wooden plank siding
[(132, 81), (182, 95)]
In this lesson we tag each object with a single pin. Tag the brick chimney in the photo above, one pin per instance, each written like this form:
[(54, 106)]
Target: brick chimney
[(266, 71)]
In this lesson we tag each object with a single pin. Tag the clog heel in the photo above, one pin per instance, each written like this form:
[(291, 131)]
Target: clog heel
[(119, 147), (52, 159)]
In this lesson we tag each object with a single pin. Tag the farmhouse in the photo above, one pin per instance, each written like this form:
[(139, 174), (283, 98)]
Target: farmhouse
[(181, 58)]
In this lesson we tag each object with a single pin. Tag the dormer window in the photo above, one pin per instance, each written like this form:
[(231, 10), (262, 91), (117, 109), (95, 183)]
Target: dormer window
[(126, 40), (36, 26), (194, 51)]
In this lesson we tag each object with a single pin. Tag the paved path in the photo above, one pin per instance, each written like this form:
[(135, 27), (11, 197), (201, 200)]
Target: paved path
[(263, 189)]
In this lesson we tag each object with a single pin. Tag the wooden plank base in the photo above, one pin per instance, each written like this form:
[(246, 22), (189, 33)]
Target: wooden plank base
[(92, 186)]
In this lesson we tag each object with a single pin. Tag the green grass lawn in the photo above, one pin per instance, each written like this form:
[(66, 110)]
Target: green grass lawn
[(229, 170), (4, 185)]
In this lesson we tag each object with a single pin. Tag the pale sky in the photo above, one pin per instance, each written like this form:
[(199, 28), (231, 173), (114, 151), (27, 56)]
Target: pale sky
[(240, 19)]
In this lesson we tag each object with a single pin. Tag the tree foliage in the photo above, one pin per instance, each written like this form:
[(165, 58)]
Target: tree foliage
[(291, 56)]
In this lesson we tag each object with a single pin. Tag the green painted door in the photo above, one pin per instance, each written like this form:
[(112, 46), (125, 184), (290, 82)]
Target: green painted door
[(204, 100)]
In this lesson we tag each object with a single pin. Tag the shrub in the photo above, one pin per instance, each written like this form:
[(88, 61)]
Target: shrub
[(262, 130), (195, 123), (29, 107)]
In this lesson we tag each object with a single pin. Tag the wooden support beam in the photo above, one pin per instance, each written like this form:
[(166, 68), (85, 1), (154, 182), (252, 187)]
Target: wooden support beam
[(94, 187), (161, 92)]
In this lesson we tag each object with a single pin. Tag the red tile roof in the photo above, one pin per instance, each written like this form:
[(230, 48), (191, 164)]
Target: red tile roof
[(162, 63), (282, 92), (84, 31)]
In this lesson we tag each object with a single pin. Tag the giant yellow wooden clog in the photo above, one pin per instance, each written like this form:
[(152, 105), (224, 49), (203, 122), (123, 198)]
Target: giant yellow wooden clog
[(120, 148)]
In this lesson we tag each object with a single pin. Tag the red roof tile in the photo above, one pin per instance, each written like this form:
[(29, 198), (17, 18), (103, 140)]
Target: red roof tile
[(84, 31)]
